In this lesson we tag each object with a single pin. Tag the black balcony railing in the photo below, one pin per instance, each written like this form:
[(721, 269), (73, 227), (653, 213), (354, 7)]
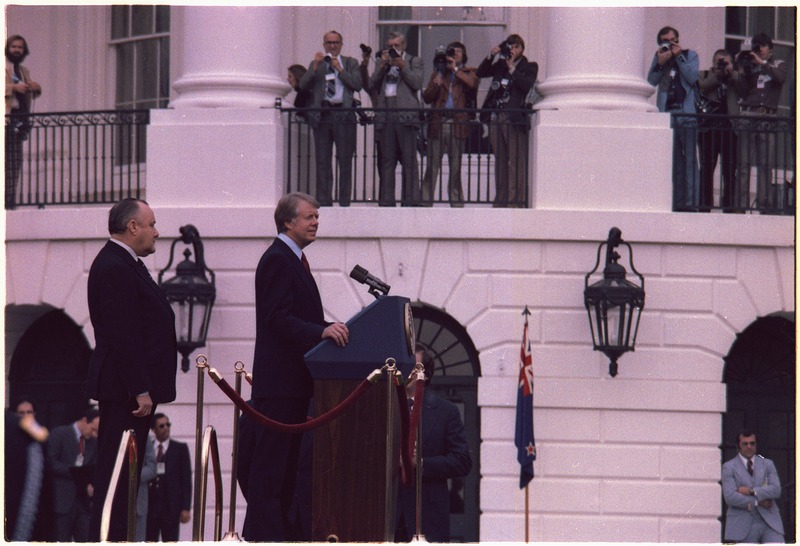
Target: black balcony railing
[(380, 175), (68, 158), (740, 164)]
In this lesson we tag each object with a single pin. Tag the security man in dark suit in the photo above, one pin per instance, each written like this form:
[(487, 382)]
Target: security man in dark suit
[(70, 449), (133, 366), (171, 491), (289, 322), (445, 455)]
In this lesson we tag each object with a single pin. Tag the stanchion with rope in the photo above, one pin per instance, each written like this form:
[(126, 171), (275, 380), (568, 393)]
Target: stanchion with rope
[(232, 534)]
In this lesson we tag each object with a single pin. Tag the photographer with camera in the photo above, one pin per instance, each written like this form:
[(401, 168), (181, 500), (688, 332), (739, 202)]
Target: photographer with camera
[(674, 71), (761, 79), (334, 78), (717, 139), (397, 80), (21, 91), (512, 77), (451, 88)]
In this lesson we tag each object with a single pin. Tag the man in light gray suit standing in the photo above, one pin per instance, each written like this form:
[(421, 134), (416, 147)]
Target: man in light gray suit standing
[(334, 78), (397, 80), (751, 487)]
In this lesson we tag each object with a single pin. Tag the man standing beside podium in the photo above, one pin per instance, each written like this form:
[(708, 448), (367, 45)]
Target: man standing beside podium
[(289, 322)]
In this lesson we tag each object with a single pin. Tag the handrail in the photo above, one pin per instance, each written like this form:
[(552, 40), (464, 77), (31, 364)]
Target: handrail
[(127, 444), (210, 448)]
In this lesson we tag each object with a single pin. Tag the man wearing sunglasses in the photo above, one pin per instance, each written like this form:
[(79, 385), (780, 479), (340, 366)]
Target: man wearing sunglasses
[(171, 491), (751, 487)]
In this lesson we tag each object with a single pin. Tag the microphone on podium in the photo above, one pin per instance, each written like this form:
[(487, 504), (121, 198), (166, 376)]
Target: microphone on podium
[(375, 284)]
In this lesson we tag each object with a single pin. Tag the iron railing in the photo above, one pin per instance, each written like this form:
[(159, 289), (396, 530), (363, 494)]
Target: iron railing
[(67, 158), (476, 131), (742, 163)]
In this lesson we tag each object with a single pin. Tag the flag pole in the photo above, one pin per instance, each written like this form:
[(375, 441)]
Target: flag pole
[(527, 516)]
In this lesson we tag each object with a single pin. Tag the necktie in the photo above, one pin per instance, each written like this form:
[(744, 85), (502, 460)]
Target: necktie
[(305, 262), (330, 86), (144, 267), (82, 445), (160, 453), (750, 466)]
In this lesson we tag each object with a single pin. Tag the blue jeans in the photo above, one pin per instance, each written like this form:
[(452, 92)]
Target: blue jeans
[(685, 173)]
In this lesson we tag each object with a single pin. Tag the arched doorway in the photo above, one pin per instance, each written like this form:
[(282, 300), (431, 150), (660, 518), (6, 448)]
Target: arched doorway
[(49, 362), (760, 378), (456, 379)]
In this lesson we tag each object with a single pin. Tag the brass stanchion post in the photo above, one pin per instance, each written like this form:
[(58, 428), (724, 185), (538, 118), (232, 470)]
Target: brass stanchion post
[(232, 534), (419, 537), (388, 515), (199, 516)]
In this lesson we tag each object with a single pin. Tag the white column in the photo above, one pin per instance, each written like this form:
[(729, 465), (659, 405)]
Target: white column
[(597, 143), (231, 57), (220, 144), (595, 58)]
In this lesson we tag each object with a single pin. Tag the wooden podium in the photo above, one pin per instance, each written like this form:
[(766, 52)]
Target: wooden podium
[(352, 499)]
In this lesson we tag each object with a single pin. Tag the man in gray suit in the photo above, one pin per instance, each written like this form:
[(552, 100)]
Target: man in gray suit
[(71, 457), (333, 78), (397, 80), (750, 486)]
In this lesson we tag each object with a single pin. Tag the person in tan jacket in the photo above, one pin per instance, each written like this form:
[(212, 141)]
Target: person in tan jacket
[(452, 87)]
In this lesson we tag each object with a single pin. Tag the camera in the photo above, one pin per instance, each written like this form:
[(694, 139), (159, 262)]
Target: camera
[(722, 64), (505, 50), (451, 52), (440, 60), (744, 61), (365, 49), (328, 58), (393, 54), (663, 47)]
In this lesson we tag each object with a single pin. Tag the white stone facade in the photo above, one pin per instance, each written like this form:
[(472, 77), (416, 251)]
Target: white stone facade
[(634, 458)]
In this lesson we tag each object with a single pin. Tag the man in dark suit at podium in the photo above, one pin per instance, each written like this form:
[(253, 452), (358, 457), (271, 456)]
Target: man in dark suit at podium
[(445, 455), (289, 322)]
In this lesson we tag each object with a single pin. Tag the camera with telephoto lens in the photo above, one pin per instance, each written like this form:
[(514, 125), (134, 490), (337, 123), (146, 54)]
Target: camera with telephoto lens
[(365, 49), (505, 50), (744, 61), (440, 60), (663, 47)]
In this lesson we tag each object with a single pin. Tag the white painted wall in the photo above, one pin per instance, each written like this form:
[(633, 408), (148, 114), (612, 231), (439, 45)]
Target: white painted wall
[(633, 458)]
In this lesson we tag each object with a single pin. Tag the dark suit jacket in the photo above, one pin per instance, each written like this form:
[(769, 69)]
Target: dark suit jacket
[(62, 450), (177, 479), (289, 322), (445, 454), (520, 82), (134, 328)]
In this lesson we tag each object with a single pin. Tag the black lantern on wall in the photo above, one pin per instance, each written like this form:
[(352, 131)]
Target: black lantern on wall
[(190, 293), (614, 304)]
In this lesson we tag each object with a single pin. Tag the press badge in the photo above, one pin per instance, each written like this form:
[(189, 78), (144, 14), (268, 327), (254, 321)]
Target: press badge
[(330, 76), (161, 468), (504, 82), (762, 80), (79, 460)]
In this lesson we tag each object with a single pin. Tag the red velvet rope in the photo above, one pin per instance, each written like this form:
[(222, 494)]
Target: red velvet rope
[(292, 428)]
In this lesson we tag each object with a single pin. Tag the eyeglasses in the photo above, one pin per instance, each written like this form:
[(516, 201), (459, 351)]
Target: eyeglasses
[(164, 425), (332, 43), (748, 443)]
